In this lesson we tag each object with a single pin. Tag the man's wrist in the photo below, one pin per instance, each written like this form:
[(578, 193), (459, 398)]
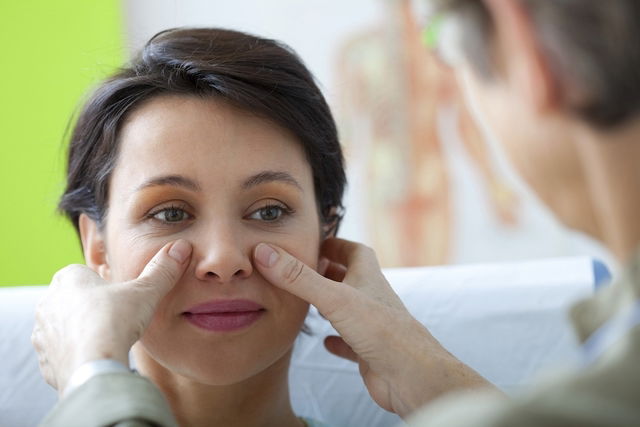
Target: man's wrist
[(92, 368), (435, 373), (419, 348)]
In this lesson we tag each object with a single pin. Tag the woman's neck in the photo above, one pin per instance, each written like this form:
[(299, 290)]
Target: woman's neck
[(262, 400), (612, 165)]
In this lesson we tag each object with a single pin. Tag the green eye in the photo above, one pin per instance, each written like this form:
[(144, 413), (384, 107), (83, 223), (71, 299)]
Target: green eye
[(171, 215), (269, 213)]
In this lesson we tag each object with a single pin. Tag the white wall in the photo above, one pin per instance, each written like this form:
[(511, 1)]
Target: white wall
[(313, 28)]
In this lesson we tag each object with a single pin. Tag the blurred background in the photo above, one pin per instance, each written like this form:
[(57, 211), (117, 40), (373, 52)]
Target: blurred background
[(426, 184)]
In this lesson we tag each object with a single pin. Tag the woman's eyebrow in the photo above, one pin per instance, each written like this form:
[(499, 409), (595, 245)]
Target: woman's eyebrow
[(172, 180), (270, 176)]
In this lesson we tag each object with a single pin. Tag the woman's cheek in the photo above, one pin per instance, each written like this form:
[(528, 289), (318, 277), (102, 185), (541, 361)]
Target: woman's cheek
[(292, 311), (303, 244), (132, 256)]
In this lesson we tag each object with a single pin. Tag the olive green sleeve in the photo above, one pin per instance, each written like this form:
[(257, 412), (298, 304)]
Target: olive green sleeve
[(605, 394), (117, 399)]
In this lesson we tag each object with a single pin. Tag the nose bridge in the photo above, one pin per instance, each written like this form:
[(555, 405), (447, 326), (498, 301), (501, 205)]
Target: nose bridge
[(221, 253)]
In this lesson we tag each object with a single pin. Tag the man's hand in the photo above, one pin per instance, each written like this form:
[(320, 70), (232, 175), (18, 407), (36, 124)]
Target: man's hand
[(82, 317), (402, 364)]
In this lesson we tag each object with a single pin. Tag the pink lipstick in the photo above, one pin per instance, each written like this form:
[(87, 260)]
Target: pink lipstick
[(224, 315)]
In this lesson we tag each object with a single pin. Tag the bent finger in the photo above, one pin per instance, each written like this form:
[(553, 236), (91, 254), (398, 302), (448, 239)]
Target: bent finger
[(289, 273), (358, 261), (336, 345), (335, 271)]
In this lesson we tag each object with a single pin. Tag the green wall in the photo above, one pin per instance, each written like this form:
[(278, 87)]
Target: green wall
[(52, 52)]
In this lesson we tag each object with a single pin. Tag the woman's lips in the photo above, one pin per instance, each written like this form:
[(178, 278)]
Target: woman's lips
[(224, 315)]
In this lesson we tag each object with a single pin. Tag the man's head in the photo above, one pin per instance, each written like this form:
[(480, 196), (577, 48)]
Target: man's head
[(540, 72), (588, 49)]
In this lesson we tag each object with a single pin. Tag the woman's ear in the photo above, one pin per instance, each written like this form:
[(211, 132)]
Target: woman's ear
[(330, 228), (93, 247)]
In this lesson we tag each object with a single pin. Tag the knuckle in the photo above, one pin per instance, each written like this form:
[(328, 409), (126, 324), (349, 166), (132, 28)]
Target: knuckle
[(38, 310), (141, 283), (368, 251), (69, 269), (58, 276), (160, 272), (72, 274), (35, 342), (45, 370), (293, 270), (367, 255), (166, 274), (340, 307)]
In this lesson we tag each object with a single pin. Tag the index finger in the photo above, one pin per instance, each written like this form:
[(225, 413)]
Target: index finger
[(339, 250), (286, 272)]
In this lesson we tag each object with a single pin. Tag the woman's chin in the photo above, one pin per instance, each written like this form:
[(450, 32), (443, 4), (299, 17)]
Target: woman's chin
[(213, 368)]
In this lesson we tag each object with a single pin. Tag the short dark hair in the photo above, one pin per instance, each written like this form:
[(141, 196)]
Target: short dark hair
[(593, 44), (261, 76)]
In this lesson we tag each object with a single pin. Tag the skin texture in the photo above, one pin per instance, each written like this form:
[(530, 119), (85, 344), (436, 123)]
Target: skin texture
[(219, 149)]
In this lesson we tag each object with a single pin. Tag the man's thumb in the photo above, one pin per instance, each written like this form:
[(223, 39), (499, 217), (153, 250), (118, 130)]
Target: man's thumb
[(166, 267), (289, 273)]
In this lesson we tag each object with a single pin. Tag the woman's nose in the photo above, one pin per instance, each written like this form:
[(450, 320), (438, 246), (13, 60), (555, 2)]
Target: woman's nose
[(221, 256)]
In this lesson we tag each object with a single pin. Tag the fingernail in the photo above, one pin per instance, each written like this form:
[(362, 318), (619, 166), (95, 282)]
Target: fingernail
[(266, 255), (180, 250)]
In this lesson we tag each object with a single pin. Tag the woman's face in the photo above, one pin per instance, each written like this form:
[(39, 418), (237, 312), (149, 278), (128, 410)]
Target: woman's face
[(224, 180)]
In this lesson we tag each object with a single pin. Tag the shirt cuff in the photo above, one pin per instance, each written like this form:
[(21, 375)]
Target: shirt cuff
[(90, 369)]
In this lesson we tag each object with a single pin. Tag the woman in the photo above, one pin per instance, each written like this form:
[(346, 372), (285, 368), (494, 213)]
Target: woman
[(221, 139), (508, 68)]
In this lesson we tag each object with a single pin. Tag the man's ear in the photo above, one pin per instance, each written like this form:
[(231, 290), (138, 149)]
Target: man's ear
[(520, 56), (93, 247)]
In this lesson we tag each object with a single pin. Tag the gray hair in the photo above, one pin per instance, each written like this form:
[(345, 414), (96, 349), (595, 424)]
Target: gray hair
[(592, 47)]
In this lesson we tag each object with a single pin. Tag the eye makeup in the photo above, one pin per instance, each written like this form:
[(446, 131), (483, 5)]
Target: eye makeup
[(173, 214), (165, 204), (271, 212)]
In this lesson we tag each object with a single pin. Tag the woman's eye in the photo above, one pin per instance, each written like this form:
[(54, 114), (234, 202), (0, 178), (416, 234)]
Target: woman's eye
[(171, 215), (269, 213)]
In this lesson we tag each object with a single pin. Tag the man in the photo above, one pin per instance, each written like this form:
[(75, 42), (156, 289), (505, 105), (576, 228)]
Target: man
[(544, 73)]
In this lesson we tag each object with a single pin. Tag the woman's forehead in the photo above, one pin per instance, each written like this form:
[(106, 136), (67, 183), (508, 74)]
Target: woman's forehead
[(204, 138), (182, 119)]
